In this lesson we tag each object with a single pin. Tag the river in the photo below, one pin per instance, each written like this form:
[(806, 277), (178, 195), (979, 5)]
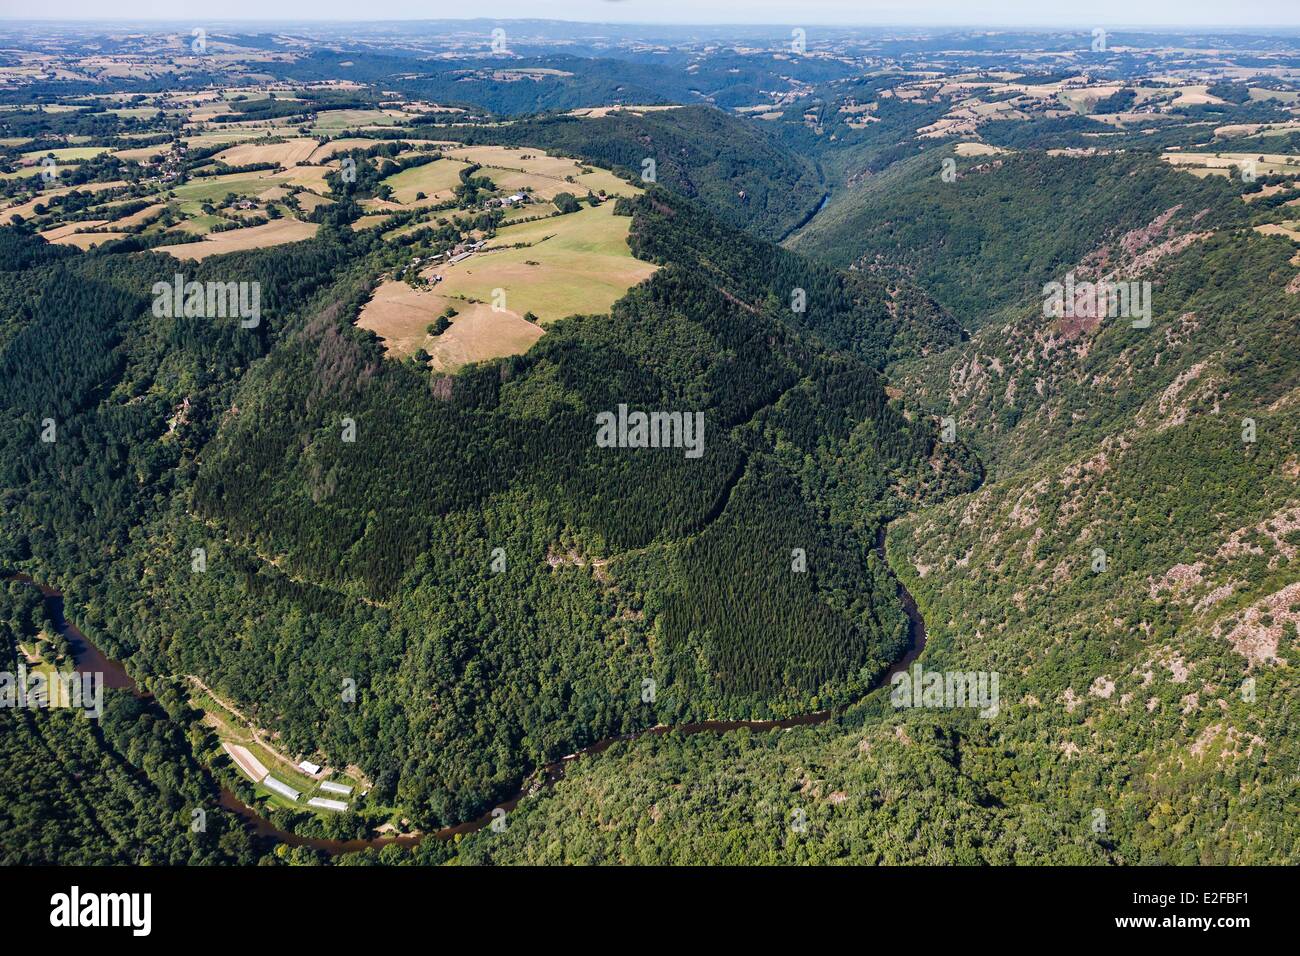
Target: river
[(88, 657)]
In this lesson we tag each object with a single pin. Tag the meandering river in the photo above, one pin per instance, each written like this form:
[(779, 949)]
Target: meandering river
[(88, 657)]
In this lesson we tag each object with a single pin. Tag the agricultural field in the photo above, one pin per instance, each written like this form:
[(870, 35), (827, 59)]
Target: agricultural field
[(400, 315), (436, 180), (513, 169), (579, 263), (1204, 164), (583, 263), (273, 233), (68, 154), (334, 121), (549, 268), (327, 151), (290, 152)]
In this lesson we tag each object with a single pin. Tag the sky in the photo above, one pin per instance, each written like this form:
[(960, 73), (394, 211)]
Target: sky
[(1002, 13)]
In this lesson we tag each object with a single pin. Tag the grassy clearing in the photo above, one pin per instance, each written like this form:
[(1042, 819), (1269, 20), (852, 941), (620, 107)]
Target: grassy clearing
[(323, 153), (400, 316), (436, 180), (1265, 163), (214, 188), (1289, 229), (203, 140), (512, 169), (67, 154), (331, 121), (574, 264), (478, 334)]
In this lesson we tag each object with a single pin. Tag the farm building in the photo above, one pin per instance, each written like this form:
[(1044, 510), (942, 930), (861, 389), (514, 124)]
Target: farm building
[(338, 806), (280, 787), (332, 787), (308, 767)]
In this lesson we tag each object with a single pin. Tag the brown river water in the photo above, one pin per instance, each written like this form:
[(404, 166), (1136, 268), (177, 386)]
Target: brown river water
[(88, 658)]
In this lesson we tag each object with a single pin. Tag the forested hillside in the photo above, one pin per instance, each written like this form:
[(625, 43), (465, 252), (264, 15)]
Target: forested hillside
[(381, 524), (1006, 224), (1130, 571), (375, 562)]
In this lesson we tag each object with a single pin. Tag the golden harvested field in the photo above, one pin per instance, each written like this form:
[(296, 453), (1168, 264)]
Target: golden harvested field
[(204, 140), (369, 222), (289, 153), (1272, 162), (140, 153), (67, 229), (138, 217), (513, 168), (1248, 129), (1195, 96), (1287, 229), (575, 264), (593, 112), (400, 315), (309, 177), (478, 334), (978, 149), (88, 240), (273, 233), (309, 201)]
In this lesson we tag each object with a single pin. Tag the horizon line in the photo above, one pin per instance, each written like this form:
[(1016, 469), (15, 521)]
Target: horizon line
[(883, 24)]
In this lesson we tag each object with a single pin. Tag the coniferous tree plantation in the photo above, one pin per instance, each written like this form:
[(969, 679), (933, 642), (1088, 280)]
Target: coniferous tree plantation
[(502, 443)]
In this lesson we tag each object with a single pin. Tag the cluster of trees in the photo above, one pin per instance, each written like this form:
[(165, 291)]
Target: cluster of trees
[(123, 790)]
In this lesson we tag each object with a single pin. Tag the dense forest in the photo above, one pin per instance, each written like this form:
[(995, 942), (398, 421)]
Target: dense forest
[(374, 561), (1129, 570), (442, 584)]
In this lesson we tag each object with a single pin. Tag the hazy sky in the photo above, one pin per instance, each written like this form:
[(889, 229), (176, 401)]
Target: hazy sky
[(1022, 13)]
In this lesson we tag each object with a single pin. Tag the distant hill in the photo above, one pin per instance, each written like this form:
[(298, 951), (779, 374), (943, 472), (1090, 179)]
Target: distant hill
[(1006, 225), (746, 176)]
